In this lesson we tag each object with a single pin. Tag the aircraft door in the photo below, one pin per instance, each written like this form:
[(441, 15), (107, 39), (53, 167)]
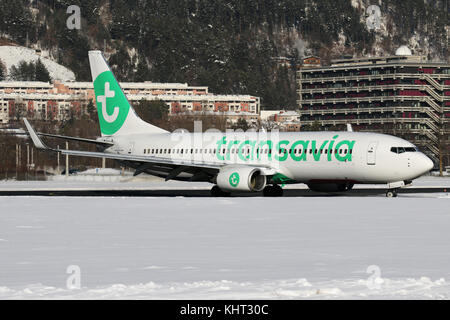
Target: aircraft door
[(372, 153)]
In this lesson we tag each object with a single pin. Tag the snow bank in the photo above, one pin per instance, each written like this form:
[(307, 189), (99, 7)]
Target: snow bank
[(410, 288)]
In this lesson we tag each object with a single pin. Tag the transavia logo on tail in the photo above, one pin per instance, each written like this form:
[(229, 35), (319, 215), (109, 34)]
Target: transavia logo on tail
[(234, 179), (112, 105)]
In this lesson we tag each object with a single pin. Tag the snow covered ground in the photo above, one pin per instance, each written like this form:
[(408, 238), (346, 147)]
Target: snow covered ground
[(232, 248), (12, 55)]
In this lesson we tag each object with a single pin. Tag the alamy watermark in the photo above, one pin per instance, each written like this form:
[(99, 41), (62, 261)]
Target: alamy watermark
[(375, 281), (73, 282), (74, 20), (373, 20)]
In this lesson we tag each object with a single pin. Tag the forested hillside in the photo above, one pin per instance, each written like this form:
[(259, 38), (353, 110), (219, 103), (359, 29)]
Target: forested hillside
[(228, 45)]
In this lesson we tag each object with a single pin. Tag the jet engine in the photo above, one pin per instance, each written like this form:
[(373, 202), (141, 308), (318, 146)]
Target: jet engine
[(241, 178)]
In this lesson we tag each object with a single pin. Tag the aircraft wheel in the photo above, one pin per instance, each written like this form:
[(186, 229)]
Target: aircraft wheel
[(391, 193), (217, 192), (273, 191)]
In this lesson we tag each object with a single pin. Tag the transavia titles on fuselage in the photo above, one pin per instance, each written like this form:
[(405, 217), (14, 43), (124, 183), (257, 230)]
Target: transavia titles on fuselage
[(243, 162)]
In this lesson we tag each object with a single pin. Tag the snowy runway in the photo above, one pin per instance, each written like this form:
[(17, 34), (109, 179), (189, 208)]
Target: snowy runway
[(242, 248)]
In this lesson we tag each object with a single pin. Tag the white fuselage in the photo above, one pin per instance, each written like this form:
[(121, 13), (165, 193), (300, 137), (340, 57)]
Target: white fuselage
[(305, 157)]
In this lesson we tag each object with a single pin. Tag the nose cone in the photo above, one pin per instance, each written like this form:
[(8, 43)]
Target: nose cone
[(426, 164)]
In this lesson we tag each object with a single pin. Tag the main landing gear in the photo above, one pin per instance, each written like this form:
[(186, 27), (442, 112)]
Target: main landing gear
[(392, 193), (273, 191), (217, 192)]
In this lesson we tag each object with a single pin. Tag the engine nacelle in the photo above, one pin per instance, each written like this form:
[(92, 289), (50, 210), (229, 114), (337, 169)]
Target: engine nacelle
[(330, 187), (241, 178)]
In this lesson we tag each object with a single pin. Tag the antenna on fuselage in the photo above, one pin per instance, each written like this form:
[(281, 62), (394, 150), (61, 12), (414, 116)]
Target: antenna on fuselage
[(349, 127)]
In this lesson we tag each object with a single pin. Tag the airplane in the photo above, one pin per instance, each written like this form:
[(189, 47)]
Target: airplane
[(233, 162)]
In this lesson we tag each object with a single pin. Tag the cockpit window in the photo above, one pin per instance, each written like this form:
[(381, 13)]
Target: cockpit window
[(399, 150)]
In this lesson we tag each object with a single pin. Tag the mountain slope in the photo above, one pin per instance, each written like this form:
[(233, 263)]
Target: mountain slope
[(228, 45)]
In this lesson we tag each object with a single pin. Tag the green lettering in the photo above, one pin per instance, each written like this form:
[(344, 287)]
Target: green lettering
[(348, 156), (249, 156), (330, 148), (220, 143), (285, 152), (230, 145), (318, 153), (302, 156)]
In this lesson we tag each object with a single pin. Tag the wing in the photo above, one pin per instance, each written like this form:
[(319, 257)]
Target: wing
[(97, 142)]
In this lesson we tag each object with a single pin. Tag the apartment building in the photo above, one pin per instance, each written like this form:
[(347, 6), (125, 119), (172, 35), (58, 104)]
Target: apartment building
[(404, 95), (58, 100)]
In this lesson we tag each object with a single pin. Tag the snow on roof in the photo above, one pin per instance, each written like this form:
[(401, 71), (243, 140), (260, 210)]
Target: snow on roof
[(25, 84), (137, 85), (37, 96), (228, 98)]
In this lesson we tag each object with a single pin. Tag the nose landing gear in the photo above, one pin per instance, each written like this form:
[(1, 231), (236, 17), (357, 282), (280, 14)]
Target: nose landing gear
[(392, 193), (393, 188)]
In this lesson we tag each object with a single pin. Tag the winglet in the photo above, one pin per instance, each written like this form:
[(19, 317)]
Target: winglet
[(37, 142)]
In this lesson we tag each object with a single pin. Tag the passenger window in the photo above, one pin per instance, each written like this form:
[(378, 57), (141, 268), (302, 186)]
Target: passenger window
[(145, 151)]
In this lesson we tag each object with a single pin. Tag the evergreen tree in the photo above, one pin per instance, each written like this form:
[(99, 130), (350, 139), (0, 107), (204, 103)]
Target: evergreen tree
[(153, 112), (2, 71), (41, 72), (24, 71), (92, 111), (241, 124), (31, 71)]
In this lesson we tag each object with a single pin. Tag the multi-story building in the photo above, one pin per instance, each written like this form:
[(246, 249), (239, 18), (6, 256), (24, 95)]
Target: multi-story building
[(287, 121), (56, 101), (403, 95)]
